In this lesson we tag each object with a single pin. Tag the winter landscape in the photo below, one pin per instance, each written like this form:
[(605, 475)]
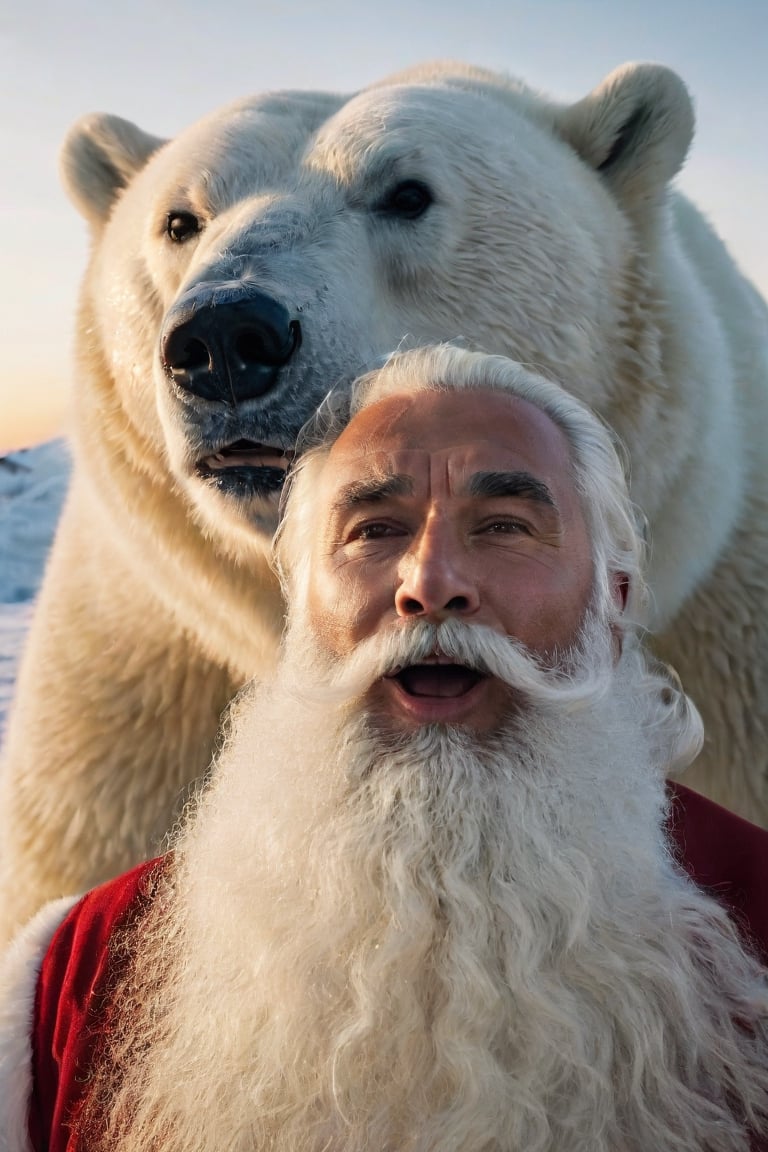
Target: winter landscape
[(32, 487)]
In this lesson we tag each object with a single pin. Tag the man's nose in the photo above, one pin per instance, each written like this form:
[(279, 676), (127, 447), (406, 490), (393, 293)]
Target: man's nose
[(436, 577)]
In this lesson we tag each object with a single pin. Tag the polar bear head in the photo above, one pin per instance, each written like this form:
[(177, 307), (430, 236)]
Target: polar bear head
[(273, 251)]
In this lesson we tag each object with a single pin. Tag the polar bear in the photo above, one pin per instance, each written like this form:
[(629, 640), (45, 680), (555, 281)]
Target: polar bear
[(267, 255)]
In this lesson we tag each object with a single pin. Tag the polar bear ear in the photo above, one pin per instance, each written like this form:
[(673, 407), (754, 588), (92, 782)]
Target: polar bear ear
[(100, 156), (635, 129)]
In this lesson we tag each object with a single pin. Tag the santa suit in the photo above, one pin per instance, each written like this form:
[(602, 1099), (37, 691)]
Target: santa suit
[(54, 1003)]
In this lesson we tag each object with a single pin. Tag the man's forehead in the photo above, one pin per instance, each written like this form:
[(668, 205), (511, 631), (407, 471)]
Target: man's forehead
[(478, 429)]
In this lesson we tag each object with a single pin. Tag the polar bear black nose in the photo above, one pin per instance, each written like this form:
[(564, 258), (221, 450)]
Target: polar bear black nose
[(227, 341)]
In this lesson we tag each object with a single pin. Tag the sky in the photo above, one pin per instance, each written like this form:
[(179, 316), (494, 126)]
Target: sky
[(164, 63)]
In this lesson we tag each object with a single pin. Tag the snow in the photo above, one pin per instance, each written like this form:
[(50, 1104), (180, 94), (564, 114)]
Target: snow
[(14, 621), (32, 488), (33, 484)]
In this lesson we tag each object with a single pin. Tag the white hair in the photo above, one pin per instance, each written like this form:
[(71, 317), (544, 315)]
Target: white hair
[(597, 461), (433, 943)]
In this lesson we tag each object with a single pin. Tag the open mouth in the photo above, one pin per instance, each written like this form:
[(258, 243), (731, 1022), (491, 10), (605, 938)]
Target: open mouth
[(444, 681), (246, 468)]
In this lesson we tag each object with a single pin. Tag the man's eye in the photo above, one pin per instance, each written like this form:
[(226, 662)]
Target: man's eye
[(506, 527), (375, 530)]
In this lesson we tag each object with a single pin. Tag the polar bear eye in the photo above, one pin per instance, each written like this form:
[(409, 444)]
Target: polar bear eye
[(181, 225), (409, 199)]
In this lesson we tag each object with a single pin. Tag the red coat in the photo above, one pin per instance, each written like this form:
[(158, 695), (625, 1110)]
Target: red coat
[(720, 851)]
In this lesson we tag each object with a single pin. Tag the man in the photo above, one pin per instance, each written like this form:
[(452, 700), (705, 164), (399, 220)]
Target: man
[(432, 898)]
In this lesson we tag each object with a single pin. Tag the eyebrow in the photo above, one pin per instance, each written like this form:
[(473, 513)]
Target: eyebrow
[(482, 484), (511, 484), (372, 491)]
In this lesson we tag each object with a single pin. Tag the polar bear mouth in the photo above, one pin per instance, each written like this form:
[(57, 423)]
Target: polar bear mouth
[(245, 468), (246, 454)]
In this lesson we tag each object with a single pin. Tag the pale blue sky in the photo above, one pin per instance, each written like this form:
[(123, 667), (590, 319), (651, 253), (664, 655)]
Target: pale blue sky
[(165, 63)]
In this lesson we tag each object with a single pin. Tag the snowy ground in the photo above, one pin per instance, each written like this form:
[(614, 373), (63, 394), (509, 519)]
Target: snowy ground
[(14, 620), (32, 488)]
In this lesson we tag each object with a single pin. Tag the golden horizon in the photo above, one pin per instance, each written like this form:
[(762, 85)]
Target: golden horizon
[(42, 414)]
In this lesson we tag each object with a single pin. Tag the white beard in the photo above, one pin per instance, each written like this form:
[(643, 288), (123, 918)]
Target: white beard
[(438, 943)]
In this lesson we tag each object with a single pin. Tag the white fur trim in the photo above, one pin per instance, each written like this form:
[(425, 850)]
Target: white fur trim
[(19, 969)]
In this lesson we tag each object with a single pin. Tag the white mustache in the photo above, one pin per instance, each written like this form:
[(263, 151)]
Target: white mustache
[(581, 678)]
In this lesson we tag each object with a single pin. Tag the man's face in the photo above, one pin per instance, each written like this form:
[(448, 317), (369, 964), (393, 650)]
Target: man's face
[(449, 504)]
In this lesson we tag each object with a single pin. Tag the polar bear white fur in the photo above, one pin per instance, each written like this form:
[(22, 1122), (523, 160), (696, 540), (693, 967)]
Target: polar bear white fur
[(446, 202)]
